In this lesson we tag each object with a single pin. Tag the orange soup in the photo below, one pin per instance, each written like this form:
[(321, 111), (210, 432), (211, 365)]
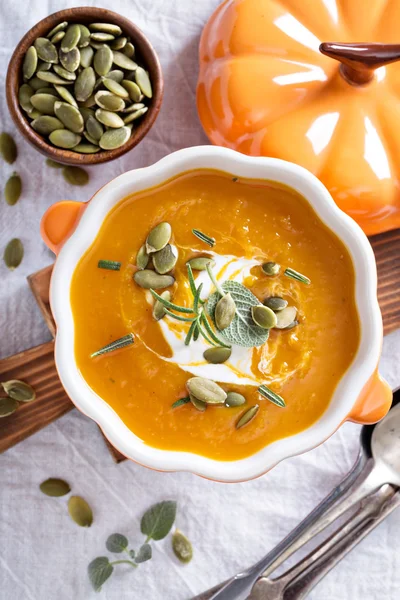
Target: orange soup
[(281, 339)]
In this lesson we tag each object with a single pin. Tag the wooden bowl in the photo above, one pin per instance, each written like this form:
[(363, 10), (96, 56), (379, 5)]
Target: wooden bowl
[(147, 57)]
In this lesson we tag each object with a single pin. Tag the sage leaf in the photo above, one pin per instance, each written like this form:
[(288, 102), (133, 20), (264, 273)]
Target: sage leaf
[(242, 331), (99, 571), (19, 390), (145, 553), (116, 542), (55, 487), (182, 547), (157, 522), (80, 511)]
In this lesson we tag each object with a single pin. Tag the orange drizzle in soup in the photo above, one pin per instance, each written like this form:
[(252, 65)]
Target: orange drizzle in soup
[(252, 222)]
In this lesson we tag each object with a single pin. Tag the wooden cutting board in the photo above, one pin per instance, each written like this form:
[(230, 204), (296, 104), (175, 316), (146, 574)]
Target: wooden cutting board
[(36, 366)]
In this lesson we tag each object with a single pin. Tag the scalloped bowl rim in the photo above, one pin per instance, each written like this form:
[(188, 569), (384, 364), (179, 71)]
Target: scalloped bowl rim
[(350, 385)]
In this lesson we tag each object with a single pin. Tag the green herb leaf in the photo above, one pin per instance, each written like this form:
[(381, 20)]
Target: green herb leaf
[(196, 300), (182, 547), (297, 276), (157, 521), (242, 331), (132, 553), (111, 265), (145, 553), (99, 571), (80, 511), (116, 542), (265, 391), (178, 317), (169, 304), (189, 335), (192, 282), (55, 487), (127, 340), (203, 237), (181, 402), (211, 333)]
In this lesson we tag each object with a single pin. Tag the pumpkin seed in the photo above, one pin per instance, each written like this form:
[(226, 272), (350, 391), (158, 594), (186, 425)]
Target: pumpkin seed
[(150, 280), (86, 57), (225, 311), (106, 28), (86, 148), (114, 138), (53, 164), (57, 28), (90, 139), (43, 66), (75, 175), (70, 116), (94, 128), (13, 254), (89, 103), (206, 390), (36, 83), (103, 60), (12, 190), (85, 37), (35, 114), (100, 36), (263, 316), (123, 61), (46, 50), (217, 355), (51, 77), (66, 95), (49, 90), (19, 390), (86, 113), (84, 84), (46, 124), (64, 73), (198, 404), (234, 399), (275, 303), (71, 38), (142, 259), (159, 308), (116, 75), (30, 63), (116, 88), (292, 325), (133, 107), (57, 37), (271, 268), (25, 94), (96, 45), (80, 511), (129, 50), (8, 148), (108, 118), (135, 115), (55, 487), (70, 60), (64, 138), (285, 317), (108, 101), (164, 260), (44, 103), (247, 416), (182, 547), (119, 43), (143, 81), (200, 263), (133, 89), (158, 237), (7, 406)]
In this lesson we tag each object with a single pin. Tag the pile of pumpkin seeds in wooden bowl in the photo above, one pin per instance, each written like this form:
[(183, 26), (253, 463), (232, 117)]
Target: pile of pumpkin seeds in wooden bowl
[(83, 88)]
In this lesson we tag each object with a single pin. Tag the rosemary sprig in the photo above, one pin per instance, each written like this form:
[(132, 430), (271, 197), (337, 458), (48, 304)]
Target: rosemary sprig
[(181, 402), (203, 237), (126, 340), (169, 304), (265, 391), (111, 265), (214, 280), (297, 276)]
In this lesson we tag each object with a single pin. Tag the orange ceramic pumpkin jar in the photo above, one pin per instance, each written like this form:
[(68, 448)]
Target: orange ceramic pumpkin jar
[(269, 85)]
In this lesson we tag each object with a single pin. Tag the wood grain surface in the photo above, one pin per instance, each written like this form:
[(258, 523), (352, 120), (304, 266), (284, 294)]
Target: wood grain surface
[(36, 366)]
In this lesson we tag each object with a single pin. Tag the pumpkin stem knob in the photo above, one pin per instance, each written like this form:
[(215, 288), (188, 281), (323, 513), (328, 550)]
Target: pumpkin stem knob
[(359, 61)]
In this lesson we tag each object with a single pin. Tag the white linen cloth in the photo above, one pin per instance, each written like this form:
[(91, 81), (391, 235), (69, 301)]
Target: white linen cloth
[(43, 554)]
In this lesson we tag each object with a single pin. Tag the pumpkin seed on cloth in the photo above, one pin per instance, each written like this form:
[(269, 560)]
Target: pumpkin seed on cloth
[(70, 116), (62, 138), (165, 260), (143, 80), (150, 280), (53, 164), (103, 60), (108, 118), (71, 38), (12, 190), (30, 63), (19, 390), (8, 406), (206, 390), (247, 416), (46, 124), (159, 308), (70, 60), (46, 50), (55, 487), (13, 254), (158, 237), (80, 511), (84, 84), (75, 175), (8, 148), (108, 101)]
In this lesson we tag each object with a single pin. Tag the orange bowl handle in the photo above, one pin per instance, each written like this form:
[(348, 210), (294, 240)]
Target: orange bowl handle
[(59, 221), (374, 401)]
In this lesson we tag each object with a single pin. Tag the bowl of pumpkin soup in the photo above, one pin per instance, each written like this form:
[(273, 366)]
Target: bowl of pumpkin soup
[(216, 313)]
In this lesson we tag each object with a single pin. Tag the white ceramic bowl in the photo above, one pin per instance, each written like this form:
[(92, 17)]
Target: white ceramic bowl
[(360, 394)]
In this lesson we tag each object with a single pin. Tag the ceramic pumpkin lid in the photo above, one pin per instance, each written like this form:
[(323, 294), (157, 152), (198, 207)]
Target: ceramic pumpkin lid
[(313, 82)]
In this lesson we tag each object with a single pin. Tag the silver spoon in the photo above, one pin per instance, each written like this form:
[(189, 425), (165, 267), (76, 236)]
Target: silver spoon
[(373, 481)]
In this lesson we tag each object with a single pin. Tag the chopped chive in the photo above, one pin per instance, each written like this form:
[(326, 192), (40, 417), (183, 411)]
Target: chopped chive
[(189, 336), (111, 265), (127, 340), (178, 317), (204, 237), (169, 304), (265, 391), (197, 299), (181, 402), (211, 333), (191, 279), (214, 280), (297, 276)]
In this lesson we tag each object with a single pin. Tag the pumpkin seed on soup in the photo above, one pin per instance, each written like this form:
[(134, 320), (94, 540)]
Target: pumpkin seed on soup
[(285, 317), (142, 258), (12, 190), (247, 416), (165, 259), (159, 308), (234, 399), (225, 311), (198, 404), (200, 263), (13, 254), (275, 303), (263, 316), (271, 268), (217, 355), (206, 390), (150, 280), (158, 237)]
